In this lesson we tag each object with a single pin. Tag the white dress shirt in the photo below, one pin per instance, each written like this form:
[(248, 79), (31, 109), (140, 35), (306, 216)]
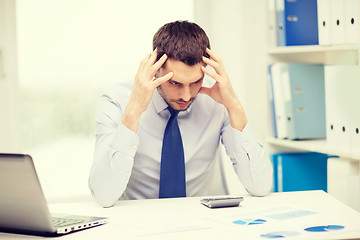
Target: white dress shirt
[(127, 164)]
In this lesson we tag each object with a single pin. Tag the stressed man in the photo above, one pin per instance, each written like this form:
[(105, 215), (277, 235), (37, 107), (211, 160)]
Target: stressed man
[(159, 137)]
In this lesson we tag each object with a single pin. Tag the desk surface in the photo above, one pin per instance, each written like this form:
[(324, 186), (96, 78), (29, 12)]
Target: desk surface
[(185, 218)]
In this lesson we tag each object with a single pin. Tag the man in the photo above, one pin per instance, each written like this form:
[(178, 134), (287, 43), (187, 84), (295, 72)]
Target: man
[(132, 157)]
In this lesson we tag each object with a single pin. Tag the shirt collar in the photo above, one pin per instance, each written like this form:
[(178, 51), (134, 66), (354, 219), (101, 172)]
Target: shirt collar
[(161, 105)]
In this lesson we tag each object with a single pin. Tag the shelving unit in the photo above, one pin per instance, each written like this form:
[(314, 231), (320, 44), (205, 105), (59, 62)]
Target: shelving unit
[(342, 56), (342, 63), (317, 145), (345, 54)]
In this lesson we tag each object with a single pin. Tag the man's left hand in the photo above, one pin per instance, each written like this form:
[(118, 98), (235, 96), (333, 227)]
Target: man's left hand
[(222, 91)]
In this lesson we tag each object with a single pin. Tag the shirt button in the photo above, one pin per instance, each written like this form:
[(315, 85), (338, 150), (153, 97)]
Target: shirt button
[(246, 144), (134, 146)]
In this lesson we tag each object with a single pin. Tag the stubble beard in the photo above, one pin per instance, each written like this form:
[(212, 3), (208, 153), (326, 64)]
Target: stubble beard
[(172, 102)]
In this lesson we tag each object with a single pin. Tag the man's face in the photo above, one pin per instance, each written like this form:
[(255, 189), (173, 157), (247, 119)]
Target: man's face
[(180, 91)]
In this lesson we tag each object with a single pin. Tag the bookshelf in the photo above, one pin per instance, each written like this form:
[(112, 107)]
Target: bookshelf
[(329, 55), (316, 145), (345, 54)]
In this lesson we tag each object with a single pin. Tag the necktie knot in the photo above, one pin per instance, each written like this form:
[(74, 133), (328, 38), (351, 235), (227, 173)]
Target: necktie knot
[(173, 112)]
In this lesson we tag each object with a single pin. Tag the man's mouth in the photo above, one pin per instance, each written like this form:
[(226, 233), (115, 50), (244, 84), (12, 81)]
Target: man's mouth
[(182, 103)]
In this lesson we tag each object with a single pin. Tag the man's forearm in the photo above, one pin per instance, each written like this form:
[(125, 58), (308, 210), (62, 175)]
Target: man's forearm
[(131, 118), (237, 116)]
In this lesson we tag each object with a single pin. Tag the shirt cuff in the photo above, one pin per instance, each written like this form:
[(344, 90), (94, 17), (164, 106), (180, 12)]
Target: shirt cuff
[(246, 138), (125, 141)]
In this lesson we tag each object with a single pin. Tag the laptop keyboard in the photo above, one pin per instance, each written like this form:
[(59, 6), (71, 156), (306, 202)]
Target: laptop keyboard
[(63, 222)]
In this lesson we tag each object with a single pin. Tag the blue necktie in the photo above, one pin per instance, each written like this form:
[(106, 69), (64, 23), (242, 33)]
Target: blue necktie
[(172, 171)]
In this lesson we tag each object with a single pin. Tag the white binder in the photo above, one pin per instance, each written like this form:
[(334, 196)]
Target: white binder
[(341, 85), (337, 24), (278, 70), (352, 18), (355, 113), (271, 16), (355, 135), (323, 10)]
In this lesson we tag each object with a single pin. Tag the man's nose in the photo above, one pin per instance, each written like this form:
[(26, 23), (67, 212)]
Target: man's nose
[(186, 94)]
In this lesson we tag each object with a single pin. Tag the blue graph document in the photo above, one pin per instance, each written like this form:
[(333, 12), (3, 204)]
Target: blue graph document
[(284, 221)]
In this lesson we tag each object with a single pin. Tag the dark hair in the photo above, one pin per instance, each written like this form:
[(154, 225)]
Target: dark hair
[(182, 41)]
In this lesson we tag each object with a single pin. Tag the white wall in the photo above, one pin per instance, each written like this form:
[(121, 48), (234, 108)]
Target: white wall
[(89, 41), (9, 134), (237, 32)]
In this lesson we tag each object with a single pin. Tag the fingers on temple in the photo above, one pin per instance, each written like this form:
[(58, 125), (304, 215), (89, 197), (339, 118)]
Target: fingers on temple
[(160, 80), (156, 66), (211, 73)]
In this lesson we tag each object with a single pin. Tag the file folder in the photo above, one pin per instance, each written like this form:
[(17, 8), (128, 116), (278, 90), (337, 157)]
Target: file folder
[(299, 171), (271, 16), (271, 102), (301, 22), (342, 106), (351, 21), (332, 106), (280, 22), (323, 11), (355, 136), (278, 71), (337, 23), (305, 101)]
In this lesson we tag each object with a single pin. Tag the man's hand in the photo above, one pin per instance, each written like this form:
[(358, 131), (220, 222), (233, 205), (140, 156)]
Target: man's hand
[(143, 89), (222, 91)]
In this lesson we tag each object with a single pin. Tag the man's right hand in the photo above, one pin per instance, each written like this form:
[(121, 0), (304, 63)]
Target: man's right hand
[(143, 89)]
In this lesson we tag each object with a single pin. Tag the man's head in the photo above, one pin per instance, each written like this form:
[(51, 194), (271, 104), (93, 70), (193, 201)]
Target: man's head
[(181, 41), (185, 44)]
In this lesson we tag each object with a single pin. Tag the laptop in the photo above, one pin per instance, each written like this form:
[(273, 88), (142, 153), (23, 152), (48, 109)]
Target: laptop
[(23, 208)]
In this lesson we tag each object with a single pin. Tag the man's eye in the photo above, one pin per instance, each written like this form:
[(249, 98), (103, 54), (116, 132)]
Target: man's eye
[(174, 83), (197, 82)]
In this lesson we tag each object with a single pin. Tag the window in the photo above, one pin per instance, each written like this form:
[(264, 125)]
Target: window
[(69, 53)]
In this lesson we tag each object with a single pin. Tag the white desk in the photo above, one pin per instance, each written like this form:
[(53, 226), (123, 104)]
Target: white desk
[(186, 218)]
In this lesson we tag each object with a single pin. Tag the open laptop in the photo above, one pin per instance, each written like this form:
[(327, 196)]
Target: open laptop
[(23, 208)]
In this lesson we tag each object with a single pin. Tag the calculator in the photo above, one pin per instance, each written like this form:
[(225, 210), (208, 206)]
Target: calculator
[(219, 202)]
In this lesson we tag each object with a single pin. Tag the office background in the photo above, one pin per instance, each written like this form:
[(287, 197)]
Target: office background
[(59, 56)]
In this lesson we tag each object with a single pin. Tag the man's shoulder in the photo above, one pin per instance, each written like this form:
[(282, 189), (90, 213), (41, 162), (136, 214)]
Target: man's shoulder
[(207, 105), (119, 89), (119, 93)]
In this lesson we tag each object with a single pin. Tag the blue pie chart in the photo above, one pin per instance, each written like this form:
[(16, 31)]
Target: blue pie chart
[(282, 234), (327, 228), (250, 221)]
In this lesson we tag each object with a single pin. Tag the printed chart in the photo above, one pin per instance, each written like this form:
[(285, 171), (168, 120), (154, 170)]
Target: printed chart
[(250, 221)]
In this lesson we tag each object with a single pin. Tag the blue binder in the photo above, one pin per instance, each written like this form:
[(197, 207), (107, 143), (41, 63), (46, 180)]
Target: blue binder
[(299, 171), (301, 22), (305, 104), (296, 22)]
